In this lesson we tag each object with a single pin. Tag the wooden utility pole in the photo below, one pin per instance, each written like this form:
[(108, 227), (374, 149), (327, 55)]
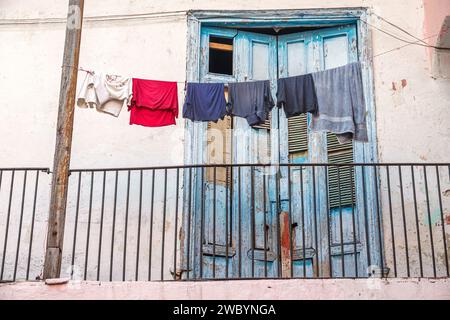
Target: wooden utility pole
[(64, 129)]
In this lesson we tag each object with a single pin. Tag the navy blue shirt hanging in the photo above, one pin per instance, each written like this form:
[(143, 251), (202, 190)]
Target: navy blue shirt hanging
[(205, 102), (251, 100), (297, 95)]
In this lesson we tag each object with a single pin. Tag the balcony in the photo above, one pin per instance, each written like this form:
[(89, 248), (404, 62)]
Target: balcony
[(230, 222)]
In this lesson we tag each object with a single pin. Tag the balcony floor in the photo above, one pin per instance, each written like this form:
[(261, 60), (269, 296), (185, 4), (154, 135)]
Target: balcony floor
[(314, 289)]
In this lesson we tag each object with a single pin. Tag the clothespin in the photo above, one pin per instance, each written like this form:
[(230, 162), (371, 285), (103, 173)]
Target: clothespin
[(185, 85), (88, 71)]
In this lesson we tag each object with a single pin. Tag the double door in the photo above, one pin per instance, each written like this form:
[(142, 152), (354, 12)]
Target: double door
[(238, 218)]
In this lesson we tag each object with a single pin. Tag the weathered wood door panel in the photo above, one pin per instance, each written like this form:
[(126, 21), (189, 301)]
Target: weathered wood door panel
[(235, 220), (255, 236), (237, 225), (314, 216)]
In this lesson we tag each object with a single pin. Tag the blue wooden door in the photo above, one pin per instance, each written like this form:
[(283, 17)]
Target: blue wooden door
[(214, 257), (327, 222), (255, 223), (235, 223), (237, 229)]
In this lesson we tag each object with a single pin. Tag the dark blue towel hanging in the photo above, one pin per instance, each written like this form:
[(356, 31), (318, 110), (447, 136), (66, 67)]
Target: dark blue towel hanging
[(205, 102)]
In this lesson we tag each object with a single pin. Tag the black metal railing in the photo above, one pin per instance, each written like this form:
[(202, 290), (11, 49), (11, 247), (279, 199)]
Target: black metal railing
[(235, 222), (23, 222)]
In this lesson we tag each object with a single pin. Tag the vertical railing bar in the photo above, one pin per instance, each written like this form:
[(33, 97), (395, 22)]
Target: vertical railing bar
[(5, 244), (278, 211), (290, 223), (100, 236), (226, 223), (164, 225), (366, 216), (252, 217), (265, 223), (442, 219), (328, 221), (125, 236), (429, 220), (32, 222), (150, 244), (380, 239), (113, 231), (405, 232), (388, 177), (341, 225), (214, 223), (352, 191), (188, 251), (77, 208), (316, 230), (86, 257), (19, 236), (202, 221), (302, 200), (231, 221), (416, 212), (176, 226), (239, 224), (1, 177), (138, 244)]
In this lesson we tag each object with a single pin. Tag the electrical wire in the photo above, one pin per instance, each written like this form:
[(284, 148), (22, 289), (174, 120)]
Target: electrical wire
[(401, 47), (92, 73), (399, 28), (166, 14), (423, 44), (401, 39)]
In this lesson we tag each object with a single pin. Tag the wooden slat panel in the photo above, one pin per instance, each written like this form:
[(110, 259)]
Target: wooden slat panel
[(341, 157), (334, 145), (337, 153), (266, 125), (298, 134)]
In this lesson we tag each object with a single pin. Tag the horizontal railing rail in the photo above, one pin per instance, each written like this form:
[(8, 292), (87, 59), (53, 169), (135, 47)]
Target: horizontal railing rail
[(247, 165), (223, 221)]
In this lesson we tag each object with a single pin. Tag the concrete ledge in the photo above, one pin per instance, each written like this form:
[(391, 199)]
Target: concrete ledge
[(234, 290)]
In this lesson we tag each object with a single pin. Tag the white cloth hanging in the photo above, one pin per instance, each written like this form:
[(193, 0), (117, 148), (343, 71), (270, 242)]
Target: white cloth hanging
[(107, 93)]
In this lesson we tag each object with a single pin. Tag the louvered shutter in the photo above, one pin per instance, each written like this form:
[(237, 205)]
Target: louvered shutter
[(337, 153), (340, 154), (266, 125), (298, 134)]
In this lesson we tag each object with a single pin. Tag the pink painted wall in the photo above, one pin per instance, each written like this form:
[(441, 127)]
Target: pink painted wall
[(337, 289), (435, 13)]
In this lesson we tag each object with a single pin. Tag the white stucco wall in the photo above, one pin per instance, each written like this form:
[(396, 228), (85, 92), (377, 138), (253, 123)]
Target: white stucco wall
[(156, 48), (412, 119)]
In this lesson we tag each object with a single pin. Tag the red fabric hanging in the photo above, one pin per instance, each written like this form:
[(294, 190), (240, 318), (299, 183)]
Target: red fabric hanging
[(154, 103), (151, 118)]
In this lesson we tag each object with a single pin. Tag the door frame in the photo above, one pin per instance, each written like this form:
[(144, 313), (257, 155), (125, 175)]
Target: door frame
[(194, 145)]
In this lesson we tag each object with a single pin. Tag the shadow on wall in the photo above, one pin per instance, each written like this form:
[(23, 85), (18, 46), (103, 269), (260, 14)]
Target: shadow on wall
[(441, 58)]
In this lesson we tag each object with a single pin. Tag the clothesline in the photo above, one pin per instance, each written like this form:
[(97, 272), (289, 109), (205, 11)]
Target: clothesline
[(92, 72), (334, 97), (185, 82)]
